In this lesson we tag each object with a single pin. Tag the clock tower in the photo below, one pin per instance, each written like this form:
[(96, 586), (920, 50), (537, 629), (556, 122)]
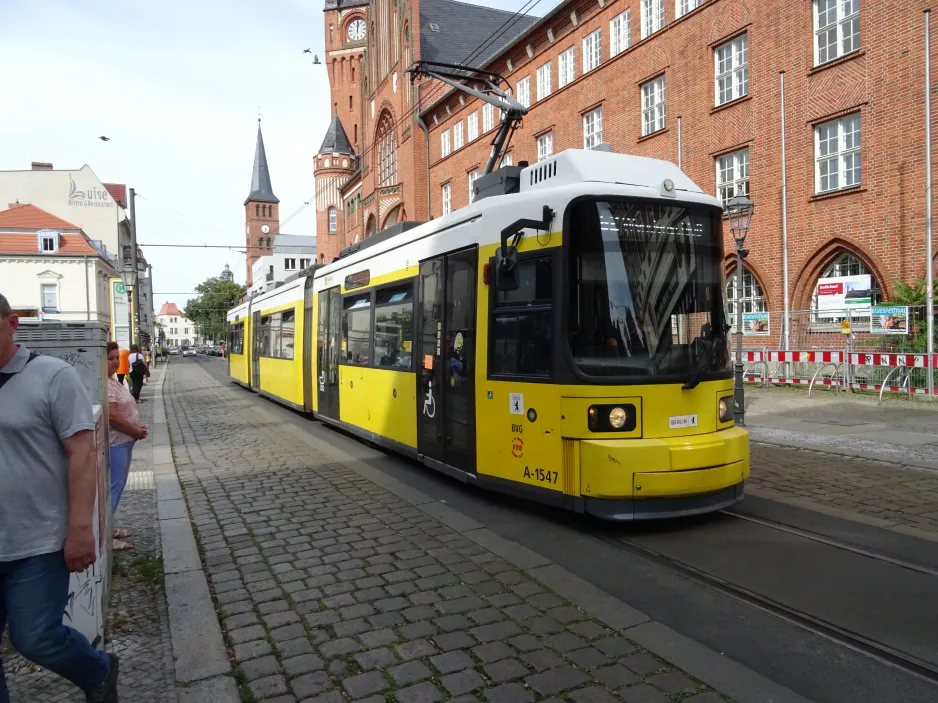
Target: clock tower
[(261, 209), (346, 41)]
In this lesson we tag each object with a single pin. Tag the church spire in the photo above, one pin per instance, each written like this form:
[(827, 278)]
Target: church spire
[(261, 190)]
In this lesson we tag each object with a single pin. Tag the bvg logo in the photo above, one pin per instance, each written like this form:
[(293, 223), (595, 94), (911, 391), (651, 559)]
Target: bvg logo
[(92, 197)]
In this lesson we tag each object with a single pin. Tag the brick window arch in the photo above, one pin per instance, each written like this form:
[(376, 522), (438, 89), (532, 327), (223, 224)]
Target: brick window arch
[(846, 264)]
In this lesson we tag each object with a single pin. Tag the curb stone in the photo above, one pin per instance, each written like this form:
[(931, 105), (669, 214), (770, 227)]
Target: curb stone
[(200, 659)]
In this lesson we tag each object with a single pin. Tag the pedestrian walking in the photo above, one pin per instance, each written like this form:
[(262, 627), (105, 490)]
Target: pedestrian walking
[(124, 368), (48, 476), (126, 429), (139, 369)]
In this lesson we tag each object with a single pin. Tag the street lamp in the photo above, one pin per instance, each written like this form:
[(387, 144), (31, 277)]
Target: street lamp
[(739, 211)]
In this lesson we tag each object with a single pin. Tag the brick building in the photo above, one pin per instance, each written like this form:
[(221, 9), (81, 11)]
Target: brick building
[(696, 82)]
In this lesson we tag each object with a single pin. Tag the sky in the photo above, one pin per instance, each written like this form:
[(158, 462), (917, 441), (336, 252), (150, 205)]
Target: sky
[(177, 86)]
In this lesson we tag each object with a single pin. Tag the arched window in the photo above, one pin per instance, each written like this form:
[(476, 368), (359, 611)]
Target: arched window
[(257, 211), (333, 220), (394, 217), (369, 228), (752, 298), (856, 296), (408, 58), (322, 258), (386, 140)]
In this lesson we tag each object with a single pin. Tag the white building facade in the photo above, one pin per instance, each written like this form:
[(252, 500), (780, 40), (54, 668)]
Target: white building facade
[(291, 254), (175, 329), (51, 270)]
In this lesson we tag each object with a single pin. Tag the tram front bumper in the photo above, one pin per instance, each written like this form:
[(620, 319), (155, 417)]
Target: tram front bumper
[(663, 476)]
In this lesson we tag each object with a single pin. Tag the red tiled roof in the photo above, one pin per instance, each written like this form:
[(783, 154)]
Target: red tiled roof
[(169, 309), (118, 191), (29, 217), (69, 245)]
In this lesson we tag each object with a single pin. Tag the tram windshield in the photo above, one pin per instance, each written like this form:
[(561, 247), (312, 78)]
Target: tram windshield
[(647, 290)]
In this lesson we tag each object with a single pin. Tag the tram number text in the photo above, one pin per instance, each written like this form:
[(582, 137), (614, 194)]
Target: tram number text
[(541, 475), (517, 429)]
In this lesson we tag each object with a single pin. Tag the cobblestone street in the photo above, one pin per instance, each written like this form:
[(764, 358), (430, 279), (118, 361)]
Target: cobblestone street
[(137, 624), (330, 587)]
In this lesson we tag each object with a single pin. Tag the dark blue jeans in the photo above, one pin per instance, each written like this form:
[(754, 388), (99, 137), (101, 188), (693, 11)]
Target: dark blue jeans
[(33, 595)]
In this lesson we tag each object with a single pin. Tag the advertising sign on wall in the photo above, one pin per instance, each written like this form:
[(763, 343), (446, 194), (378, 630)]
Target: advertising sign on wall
[(889, 319), (756, 323), (837, 295)]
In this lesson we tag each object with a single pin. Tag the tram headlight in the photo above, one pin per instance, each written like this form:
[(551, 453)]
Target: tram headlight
[(611, 418), (617, 418), (726, 409)]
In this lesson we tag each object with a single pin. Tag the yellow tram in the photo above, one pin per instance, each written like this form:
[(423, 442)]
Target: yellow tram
[(562, 338)]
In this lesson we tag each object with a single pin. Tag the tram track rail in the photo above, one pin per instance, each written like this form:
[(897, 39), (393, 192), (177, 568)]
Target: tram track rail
[(832, 632)]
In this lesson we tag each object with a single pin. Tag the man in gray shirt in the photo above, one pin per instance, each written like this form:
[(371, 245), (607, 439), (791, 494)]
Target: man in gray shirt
[(47, 492)]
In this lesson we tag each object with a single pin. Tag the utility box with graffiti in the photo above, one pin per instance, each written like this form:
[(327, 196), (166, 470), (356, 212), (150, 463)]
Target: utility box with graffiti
[(84, 346)]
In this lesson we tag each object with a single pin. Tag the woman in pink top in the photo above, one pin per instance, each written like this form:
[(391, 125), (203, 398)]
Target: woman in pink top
[(125, 430)]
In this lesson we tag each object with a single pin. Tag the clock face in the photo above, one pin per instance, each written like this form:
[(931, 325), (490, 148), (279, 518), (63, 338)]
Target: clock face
[(356, 30), (265, 229)]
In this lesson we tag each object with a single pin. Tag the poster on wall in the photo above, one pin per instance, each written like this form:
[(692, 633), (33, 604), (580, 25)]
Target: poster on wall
[(889, 319), (840, 294), (756, 323)]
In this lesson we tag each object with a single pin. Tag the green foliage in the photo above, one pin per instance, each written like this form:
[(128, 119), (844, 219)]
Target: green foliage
[(216, 297), (907, 294)]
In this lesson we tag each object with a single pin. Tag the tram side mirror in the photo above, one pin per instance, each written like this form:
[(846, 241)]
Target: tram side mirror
[(506, 269)]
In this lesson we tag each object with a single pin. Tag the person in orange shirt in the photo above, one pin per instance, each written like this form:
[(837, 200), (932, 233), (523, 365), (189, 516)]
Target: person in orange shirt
[(124, 368)]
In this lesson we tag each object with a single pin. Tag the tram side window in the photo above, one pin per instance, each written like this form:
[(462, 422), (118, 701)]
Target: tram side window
[(287, 332), (236, 339), (356, 330), (522, 323), (273, 350), (394, 327), (263, 335)]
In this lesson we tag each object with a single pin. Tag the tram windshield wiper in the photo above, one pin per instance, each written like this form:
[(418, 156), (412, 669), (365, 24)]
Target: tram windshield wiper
[(704, 359)]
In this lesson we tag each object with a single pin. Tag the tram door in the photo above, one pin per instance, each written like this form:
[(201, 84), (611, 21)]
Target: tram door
[(256, 350), (308, 380), (446, 359), (327, 344)]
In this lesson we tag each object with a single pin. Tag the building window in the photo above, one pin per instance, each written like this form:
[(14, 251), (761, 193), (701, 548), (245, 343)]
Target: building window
[(472, 126), (682, 7), (48, 242), (837, 149), (473, 177), (566, 70), (545, 146), (444, 144), (304, 263), (592, 50), (593, 128), (836, 29), (752, 298), (457, 136), (543, 81), (653, 113), (333, 220), (731, 70), (447, 199), (619, 34), (733, 175), (508, 159), (387, 150), (488, 117), (847, 265), (652, 16), (524, 91), (50, 297)]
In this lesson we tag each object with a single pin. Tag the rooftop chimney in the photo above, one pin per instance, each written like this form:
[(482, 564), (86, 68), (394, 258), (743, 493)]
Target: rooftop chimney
[(42, 166)]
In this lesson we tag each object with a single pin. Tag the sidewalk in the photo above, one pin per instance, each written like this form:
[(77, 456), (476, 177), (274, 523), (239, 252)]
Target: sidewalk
[(137, 625), (334, 582), (847, 456)]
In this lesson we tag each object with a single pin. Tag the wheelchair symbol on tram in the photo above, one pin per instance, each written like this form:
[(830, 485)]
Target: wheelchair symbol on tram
[(429, 403)]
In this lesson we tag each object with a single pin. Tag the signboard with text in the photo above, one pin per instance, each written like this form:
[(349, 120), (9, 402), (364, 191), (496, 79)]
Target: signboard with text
[(889, 319), (756, 323), (120, 313), (840, 295)]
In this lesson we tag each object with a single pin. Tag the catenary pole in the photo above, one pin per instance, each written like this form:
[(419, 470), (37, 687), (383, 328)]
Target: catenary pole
[(786, 322), (929, 254)]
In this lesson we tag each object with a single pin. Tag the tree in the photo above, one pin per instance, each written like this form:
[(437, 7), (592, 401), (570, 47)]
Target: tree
[(216, 297)]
